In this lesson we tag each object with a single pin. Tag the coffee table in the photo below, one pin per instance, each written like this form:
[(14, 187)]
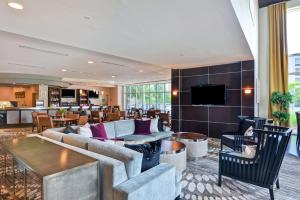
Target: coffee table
[(196, 143), (173, 152)]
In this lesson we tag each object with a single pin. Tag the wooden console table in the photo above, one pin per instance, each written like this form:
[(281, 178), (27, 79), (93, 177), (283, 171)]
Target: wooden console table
[(33, 168)]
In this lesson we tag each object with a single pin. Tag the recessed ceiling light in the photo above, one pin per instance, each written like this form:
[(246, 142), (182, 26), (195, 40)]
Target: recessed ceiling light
[(63, 70), (15, 5), (113, 76), (91, 62), (141, 70)]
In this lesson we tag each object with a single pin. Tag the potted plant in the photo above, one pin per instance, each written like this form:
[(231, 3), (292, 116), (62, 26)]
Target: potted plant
[(281, 101), (62, 111)]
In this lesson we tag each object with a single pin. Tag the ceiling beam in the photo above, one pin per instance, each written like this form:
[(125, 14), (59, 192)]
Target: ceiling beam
[(264, 3)]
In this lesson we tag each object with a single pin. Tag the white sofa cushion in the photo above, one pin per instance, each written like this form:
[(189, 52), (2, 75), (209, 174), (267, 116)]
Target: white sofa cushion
[(124, 127), (110, 129), (85, 132), (76, 140), (54, 135), (131, 159)]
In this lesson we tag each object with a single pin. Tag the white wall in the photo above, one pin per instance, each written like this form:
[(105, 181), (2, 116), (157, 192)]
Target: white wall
[(247, 14), (263, 62)]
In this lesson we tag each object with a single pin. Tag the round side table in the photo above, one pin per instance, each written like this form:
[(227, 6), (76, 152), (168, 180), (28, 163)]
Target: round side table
[(196, 143), (173, 152)]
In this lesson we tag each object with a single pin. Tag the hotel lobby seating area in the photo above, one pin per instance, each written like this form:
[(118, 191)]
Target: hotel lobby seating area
[(150, 100)]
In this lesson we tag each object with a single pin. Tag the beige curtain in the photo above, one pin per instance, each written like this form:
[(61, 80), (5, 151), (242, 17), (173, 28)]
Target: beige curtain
[(278, 59)]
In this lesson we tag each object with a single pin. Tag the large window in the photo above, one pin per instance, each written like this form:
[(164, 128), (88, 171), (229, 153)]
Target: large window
[(293, 32), (147, 96)]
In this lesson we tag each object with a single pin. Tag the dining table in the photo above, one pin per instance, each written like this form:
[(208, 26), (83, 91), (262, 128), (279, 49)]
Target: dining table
[(63, 121)]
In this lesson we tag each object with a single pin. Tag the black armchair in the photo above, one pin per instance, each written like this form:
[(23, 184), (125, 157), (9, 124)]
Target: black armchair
[(233, 140), (261, 170)]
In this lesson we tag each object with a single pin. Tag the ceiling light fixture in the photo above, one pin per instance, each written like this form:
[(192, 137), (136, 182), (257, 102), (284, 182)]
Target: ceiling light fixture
[(15, 5), (113, 76), (141, 70), (91, 62), (63, 70)]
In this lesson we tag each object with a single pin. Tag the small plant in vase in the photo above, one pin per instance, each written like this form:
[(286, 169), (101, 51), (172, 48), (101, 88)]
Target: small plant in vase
[(282, 102), (62, 111)]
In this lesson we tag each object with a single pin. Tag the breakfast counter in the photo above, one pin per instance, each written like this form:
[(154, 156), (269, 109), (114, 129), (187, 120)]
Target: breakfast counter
[(23, 115)]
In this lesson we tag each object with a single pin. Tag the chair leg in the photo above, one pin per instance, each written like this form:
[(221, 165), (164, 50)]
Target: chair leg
[(220, 180), (271, 193), (277, 184)]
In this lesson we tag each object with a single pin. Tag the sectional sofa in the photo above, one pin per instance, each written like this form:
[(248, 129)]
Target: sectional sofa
[(120, 168), (125, 129)]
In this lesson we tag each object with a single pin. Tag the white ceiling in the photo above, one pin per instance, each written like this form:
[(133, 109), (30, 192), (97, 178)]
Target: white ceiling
[(152, 36)]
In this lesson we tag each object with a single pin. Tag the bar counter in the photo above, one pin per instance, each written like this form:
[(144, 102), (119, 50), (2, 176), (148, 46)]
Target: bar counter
[(22, 115)]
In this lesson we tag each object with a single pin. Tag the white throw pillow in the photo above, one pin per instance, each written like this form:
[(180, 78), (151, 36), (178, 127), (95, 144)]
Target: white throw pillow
[(86, 132), (154, 125), (87, 125), (249, 150), (249, 131)]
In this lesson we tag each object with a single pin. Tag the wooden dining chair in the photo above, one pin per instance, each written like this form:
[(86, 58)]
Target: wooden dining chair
[(73, 116), (95, 118), (123, 114), (113, 117), (165, 118), (151, 114), (83, 120), (44, 122), (34, 119)]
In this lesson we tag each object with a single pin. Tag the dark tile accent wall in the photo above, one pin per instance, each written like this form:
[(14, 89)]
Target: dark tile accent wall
[(212, 120)]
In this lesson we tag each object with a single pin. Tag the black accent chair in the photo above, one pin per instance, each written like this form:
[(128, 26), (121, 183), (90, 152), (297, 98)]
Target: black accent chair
[(261, 170), (233, 139)]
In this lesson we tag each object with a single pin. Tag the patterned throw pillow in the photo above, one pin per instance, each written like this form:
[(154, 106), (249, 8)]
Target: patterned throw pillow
[(150, 151)]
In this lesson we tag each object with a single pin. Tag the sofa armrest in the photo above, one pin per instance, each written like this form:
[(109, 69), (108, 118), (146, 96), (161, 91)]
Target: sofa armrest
[(157, 183)]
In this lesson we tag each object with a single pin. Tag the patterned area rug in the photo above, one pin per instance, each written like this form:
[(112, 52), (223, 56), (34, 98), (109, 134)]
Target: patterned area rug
[(6, 134), (200, 181)]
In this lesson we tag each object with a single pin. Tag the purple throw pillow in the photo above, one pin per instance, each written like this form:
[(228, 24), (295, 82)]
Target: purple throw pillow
[(142, 127), (99, 131)]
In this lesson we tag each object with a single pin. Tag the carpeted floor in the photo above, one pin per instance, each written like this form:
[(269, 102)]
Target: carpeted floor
[(200, 178)]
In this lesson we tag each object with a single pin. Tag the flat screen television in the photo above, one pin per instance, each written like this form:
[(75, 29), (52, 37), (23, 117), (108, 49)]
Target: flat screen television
[(93, 94), (208, 95), (67, 93)]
